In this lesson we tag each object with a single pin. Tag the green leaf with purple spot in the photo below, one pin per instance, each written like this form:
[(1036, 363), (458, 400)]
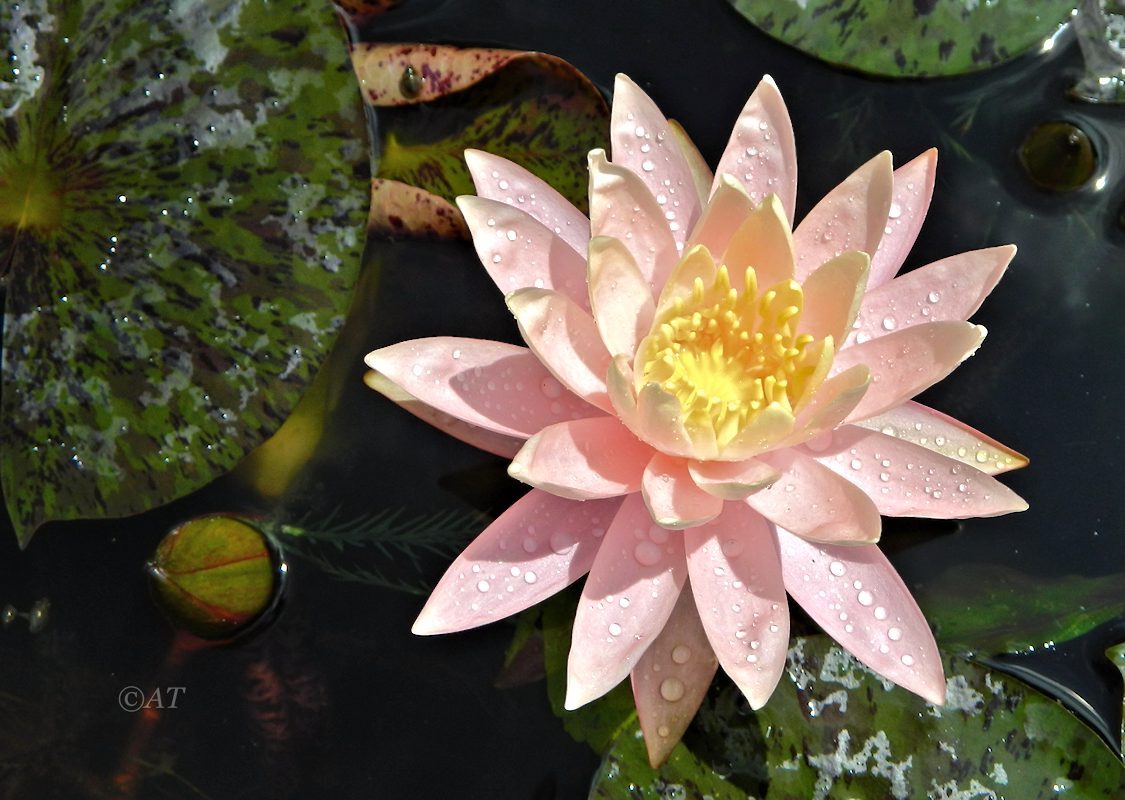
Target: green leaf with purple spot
[(910, 38), (184, 189)]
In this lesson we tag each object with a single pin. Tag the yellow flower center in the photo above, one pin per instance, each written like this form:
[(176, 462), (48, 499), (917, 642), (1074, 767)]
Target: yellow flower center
[(728, 355)]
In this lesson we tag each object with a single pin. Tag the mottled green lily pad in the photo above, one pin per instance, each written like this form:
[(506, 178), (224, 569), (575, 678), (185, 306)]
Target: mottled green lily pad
[(185, 188), (1116, 654), (910, 38), (989, 609), (835, 729), (434, 102), (625, 774)]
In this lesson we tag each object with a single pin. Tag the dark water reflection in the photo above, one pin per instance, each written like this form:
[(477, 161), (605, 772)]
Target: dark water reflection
[(337, 699)]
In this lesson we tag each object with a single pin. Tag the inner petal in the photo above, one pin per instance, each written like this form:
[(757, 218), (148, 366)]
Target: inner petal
[(727, 354)]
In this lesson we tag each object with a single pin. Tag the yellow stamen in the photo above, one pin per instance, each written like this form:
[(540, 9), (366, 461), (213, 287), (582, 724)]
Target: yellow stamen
[(728, 355)]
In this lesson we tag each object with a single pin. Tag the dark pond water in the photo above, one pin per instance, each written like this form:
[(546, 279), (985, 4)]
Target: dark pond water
[(336, 698)]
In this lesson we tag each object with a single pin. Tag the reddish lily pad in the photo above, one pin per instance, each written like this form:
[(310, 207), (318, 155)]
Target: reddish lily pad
[(214, 575), (434, 102), (185, 190)]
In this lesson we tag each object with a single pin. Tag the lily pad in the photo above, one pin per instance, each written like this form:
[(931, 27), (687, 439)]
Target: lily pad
[(625, 774), (909, 38), (434, 102), (214, 575), (1116, 654), (835, 729), (185, 188), (989, 609)]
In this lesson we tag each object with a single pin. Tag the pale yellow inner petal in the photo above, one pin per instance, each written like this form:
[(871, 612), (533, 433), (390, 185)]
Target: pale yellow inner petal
[(727, 355)]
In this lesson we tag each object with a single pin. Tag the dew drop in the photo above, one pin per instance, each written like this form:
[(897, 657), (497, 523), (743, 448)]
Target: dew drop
[(895, 211), (623, 602), (511, 236), (561, 541), (888, 323), (672, 689), (856, 463), (681, 654), (732, 548), (880, 612), (865, 598), (614, 629), (933, 297), (894, 634), (648, 554), (530, 577), (483, 586), (647, 165), (530, 545), (982, 456), (907, 659), (752, 658), (837, 568)]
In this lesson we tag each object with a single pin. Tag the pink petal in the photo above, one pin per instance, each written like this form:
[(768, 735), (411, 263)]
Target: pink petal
[(583, 460), (724, 213), (519, 252), (658, 420), (492, 385), (907, 480), (496, 443), (621, 206), (735, 570), (910, 200), (950, 289), (633, 586), (850, 217), (671, 679), (700, 173), (833, 293), (732, 480), (672, 497), (537, 547), (643, 142), (619, 296), (857, 597), (916, 423), (830, 404), (499, 179), (763, 242), (565, 339), (907, 362), (760, 153), (697, 264), (814, 502)]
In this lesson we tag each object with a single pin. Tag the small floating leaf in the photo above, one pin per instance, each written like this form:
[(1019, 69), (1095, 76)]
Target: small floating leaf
[(1058, 156), (909, 38), (214, 575), (183, 190), (433, 102)]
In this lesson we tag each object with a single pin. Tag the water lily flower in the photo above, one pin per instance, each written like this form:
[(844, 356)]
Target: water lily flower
[(709, 398)]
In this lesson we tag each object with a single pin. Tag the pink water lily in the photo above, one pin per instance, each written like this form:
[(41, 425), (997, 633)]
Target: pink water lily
[(708, 398)]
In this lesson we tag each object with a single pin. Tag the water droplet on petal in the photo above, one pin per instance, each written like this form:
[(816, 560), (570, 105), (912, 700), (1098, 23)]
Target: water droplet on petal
[(672, 689), (865, 598), (907, 659), (681, 654), (614, 629), (483, 586), (648, 554), (837, 568), (894, 634)]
